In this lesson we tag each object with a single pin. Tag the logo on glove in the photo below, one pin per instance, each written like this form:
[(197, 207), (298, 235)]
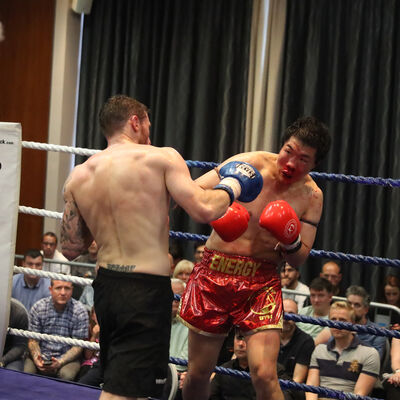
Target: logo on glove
[(290, 228), (247, 170)]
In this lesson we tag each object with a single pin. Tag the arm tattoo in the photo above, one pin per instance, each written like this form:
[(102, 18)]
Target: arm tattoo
[(75, 234), (71, 355)]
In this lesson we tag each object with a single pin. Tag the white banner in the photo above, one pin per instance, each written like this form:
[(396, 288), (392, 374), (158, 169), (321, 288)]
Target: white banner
[(10, 174)]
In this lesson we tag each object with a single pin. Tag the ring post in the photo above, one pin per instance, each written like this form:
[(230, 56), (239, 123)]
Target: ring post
[(10, 175)]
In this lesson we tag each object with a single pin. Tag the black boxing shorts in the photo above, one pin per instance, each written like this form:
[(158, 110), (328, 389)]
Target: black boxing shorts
[(226, 290), (134, 314)]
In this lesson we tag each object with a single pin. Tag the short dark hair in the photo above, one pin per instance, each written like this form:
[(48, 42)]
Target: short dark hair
[(52, 234), (359, 291), (33, 253), (198, 244), (117, 110), (320, 284), (312, 132)]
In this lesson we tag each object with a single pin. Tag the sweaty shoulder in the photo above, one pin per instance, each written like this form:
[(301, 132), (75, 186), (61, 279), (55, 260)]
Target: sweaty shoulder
[(259, 159)]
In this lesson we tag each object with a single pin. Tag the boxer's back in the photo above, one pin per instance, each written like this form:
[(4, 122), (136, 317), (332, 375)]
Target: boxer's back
[(122, 196)]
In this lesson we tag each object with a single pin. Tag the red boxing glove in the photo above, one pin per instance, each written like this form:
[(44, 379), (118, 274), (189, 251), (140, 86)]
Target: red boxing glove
[(233, 223), (281, 220)]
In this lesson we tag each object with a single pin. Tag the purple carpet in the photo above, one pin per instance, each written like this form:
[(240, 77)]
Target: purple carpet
[(21, 386)]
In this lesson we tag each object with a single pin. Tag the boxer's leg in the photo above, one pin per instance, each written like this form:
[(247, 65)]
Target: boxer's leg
[(203, 356)]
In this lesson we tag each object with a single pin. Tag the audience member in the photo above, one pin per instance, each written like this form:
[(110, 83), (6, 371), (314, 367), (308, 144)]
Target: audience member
[(88, 258), (176, 251), (198, 251), (359, 300), (295, 351), (226, 387), (179, 332), (49, 249), (90, 372), (183, 270), (391, 384), (320, 298), (27, 288), (178, 346), (87, 297), (344, 363), (331, 270), (290, 280), (15, 346), (62, 315), (391, 295)]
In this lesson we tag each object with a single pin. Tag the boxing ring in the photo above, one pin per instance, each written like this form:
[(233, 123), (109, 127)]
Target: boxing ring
[(19, 385)]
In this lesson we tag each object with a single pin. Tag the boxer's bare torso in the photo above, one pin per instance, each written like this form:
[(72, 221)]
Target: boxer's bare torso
[(303, 195), (122, 195)]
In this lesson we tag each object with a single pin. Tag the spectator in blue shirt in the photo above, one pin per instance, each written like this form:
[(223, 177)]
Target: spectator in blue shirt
[(26, 288), (62, 315)]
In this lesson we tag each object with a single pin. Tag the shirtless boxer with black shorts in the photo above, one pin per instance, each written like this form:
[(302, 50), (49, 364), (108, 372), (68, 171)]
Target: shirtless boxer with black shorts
[(236, 283), (120, 197)]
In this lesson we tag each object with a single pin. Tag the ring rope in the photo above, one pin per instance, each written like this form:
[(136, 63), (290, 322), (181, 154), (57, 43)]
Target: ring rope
[(53, 275), (52, 261), (364, 180), (245, 375), (54, 338), (291, 317), (195, 237), (285, 384)]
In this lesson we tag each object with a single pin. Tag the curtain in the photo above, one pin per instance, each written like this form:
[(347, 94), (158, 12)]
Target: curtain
[(185, 59), (342, 65), (265, 73)]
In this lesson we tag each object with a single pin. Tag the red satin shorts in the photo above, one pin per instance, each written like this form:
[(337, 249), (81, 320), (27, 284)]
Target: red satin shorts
[(226, 290)]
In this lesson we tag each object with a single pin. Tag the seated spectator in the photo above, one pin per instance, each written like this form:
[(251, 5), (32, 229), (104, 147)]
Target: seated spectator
[(290, 280), (183, 270), (15, 346), (226, 387), (179, 332), (26, 288), (320, 298), (344, 363), (391, 295), (295, 351), (88, 258), (391, 384), (331, 271), (87, 296), (359, 300), (49, 250), (198, 251), (90, 372), (62, 315)]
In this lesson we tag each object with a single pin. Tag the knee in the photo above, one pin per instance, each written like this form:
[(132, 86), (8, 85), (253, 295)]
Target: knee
[(262, 376), (198, 375), (68, 372)]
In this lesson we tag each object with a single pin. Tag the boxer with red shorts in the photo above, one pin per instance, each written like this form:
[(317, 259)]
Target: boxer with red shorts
[(226, 290), (236, 283)]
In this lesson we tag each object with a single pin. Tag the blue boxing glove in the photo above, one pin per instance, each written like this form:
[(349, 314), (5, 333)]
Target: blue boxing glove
[(240, 180)]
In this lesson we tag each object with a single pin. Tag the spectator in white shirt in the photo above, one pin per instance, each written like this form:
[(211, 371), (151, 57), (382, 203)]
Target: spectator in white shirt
[(49, 250)]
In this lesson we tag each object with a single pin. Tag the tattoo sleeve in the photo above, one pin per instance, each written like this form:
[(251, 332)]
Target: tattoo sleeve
[(75, 236), (34, 348), (71, 355)]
